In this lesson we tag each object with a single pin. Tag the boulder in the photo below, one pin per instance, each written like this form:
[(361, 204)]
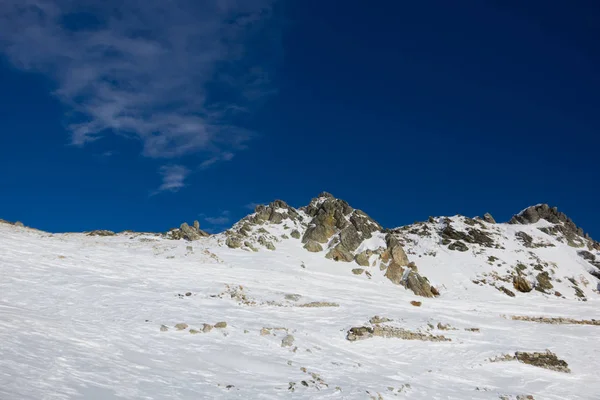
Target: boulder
[(288, 341), (266, 243), (339, 253), (295, 234), (458, 246), (394, 273), (362, 259), (313, 246), (521, 284), (418, 284), (233, 242)]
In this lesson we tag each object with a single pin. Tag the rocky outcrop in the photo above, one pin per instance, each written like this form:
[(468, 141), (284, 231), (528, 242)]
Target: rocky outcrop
[(339, 253), (187, 232), (487, 217), (418, 284), (563, 225), (547, 360), (276, 212), (521, 284)]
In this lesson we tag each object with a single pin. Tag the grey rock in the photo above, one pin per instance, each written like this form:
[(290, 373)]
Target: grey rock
[(318, 233), (521, 284), (288, 341), (207, 328), (233, 242), (458, 246), (339, 253), (265, 242), (487, 217), (349, 238), (313, 246), (362, 259), (181, 326), (358, 271), (295, 234), (221, 325), (418, 284), (19, 224)]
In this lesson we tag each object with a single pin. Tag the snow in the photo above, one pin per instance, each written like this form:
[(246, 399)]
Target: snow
[(80, 318)]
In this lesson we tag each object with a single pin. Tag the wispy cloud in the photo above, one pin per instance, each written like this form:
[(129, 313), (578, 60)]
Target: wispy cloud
[(252, 206), (173, 178), (173, 74), (218, 220)]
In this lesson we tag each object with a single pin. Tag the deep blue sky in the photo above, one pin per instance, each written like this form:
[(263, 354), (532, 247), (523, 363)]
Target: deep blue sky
[(404, 109)]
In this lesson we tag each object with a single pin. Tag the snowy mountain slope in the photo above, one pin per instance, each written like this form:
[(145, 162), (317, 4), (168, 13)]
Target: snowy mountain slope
[(94, 317)]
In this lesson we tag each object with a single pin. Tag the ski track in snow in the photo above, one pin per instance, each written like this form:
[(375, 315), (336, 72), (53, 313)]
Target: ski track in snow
[(80, 318)]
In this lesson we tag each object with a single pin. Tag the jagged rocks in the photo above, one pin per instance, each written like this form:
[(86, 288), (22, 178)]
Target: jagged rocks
[(521, 284), (487, 217), (547, 360), (266, 243), (318, 233), (395, 250), (525, 239), (418, 284), (458, 246), (349, 238), (233, 242), (187, 232), (339, 253), (313, 246), (276, 212)]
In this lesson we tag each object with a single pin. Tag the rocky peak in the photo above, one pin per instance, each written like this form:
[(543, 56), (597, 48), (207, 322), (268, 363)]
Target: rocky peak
[(187, 232), (563, 225)]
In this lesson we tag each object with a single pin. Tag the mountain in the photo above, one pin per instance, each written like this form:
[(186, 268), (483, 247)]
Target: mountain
[(313, 302)]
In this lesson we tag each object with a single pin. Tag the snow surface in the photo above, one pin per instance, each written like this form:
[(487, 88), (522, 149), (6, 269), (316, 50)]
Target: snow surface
[(80, 318)]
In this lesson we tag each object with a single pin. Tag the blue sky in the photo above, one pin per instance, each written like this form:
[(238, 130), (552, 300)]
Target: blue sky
[(145, 116)]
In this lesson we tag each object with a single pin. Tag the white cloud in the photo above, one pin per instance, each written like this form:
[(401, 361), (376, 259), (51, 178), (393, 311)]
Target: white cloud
[(252, 206), (172, 74), (222, 219), (173, 178)]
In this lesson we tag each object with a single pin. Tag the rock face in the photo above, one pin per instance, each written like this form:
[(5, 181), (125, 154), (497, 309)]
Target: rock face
[(487, 217), (313, 246)]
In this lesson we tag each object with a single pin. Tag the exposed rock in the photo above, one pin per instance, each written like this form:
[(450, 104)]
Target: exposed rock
[(100, 233), (194, 331), (546, 360), (362, 259), (525, 239), (364, 332), (319, 304), (487, 217), (349, 238), (19, 224), (313, 246), (250, 246), (506, 291), (164, 328), (266, 243), (358, 271), (292, 297), (543, 282), (458, 246), (318, 233), (181, 326), (521, 284), (221, 325), (207, 328), (379, 320), (187, 232), (295, 234), (394, 273), (233, 242), (556, 320), (396, 251), (288, 341), (339, 253), (416, 303), (418, 284)]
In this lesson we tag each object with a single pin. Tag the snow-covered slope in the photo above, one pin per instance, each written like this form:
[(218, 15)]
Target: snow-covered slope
[(95, 316)]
